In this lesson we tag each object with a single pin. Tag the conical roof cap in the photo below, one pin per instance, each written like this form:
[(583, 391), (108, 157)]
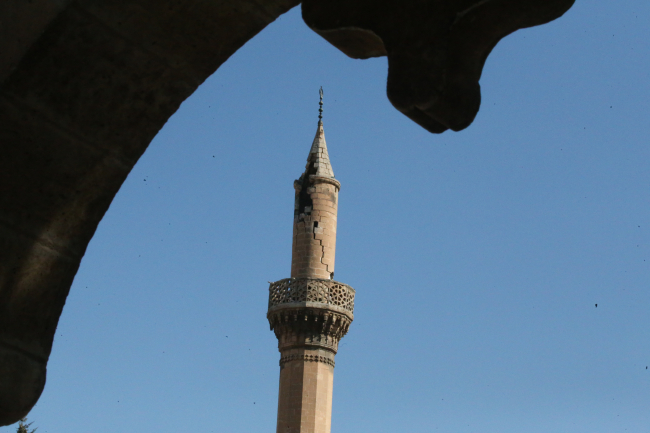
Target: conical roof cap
[(318, 156)]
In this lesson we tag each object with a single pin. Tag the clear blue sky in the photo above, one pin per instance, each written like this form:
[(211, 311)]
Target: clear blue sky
[(478, 257)]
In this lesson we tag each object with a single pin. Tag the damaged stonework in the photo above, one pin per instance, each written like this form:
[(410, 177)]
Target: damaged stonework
[(314, 222)]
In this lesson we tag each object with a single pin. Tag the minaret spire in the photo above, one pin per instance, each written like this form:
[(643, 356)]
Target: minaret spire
[(318, 161)]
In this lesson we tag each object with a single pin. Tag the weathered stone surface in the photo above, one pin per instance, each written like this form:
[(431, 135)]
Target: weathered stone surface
[(86, 85), (436, 49), (316, 204), (306, 384)]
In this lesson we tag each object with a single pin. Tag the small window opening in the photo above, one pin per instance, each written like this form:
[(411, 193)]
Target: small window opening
[(315, 224)]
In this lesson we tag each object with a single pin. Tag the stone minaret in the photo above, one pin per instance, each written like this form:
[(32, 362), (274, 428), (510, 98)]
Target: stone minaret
[(310, 312)]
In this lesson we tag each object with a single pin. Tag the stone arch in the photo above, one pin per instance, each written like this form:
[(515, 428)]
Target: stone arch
[(85, 86)]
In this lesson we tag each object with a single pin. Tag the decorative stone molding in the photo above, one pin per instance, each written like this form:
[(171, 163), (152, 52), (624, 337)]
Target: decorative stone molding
[(324, 179), (328, 293), (312, 358), (308, 326)]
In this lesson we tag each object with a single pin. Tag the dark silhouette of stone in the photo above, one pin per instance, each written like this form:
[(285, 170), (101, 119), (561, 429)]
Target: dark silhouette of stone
[(436, 49), (86, 85)]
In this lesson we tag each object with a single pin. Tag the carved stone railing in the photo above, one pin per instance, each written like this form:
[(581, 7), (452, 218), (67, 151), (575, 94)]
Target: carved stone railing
[(311, 290)]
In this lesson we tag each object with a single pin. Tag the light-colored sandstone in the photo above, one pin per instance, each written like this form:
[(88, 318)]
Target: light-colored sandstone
[(310, 312)]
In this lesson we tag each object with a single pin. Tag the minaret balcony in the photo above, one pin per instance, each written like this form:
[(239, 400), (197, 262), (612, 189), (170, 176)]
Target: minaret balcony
[(310, 312), (311, 293)]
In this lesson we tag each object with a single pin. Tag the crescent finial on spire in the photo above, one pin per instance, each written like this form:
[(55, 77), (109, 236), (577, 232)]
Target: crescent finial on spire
[(320, 109)]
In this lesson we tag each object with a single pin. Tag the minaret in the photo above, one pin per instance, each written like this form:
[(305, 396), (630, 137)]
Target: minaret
[(310, 312)]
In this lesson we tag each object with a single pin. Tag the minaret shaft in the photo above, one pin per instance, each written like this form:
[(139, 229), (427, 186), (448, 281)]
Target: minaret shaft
[(305, 397), (310, 312)]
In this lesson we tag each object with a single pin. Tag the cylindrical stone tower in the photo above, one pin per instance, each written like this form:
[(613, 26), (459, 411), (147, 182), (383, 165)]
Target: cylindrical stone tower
[(310, 312)]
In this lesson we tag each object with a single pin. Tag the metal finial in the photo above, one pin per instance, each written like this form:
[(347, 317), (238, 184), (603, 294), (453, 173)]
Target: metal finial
[(320, 109)]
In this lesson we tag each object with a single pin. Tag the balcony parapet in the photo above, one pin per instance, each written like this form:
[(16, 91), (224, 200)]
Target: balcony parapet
[(310, 313), (314, 293)]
